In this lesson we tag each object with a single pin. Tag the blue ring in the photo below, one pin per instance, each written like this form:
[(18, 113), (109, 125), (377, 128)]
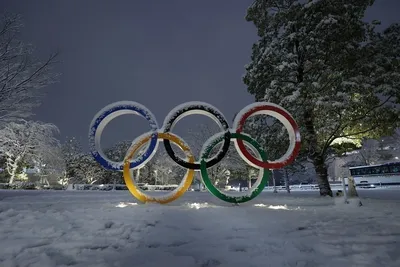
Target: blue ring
[(107, 111)]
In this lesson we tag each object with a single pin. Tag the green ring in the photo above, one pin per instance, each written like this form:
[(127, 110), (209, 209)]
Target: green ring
[(213, 190)]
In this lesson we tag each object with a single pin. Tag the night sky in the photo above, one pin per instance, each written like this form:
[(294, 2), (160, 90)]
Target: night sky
[(159, 53)]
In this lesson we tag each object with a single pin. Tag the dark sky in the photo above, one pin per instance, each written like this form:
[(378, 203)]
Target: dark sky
[(159, 53)]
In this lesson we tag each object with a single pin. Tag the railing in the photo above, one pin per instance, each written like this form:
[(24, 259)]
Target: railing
[(108, 187)]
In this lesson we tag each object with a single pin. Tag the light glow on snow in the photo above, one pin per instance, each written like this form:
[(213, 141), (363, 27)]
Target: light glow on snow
[(342, 140), (198, 205), (125, 204), (275, 207)]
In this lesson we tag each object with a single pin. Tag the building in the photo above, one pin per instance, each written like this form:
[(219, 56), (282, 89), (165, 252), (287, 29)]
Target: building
[(373, 152)]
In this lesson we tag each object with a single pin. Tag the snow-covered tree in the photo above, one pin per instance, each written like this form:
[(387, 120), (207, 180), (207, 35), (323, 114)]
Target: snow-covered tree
[(50, 161), (389, 47), (116, 153), (329, 68), (22, 77), (4, 177), (24, 141), (397, 139), (274, 139), (71, 152), (147, 174), (162, 169), (87, 170), (159, 170), (81, 167)]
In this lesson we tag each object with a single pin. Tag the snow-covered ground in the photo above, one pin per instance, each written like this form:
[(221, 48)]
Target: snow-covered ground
[(92, 228)]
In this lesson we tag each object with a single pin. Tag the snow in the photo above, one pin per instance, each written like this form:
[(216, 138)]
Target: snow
[(104, 117), (310, 3), (82, 229), (195, 108), (191, 108)]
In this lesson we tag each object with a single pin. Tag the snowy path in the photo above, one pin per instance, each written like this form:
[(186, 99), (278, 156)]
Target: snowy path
[(43, 228)]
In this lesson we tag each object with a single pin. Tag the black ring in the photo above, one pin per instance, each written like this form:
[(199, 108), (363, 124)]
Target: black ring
[(201, 107)]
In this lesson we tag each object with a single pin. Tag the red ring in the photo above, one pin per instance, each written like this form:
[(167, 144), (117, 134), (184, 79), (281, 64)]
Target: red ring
[(269, 165)]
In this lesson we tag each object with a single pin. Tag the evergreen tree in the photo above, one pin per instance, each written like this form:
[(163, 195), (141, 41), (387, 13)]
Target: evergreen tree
[(335, 73), (116, 153), (72, 151)]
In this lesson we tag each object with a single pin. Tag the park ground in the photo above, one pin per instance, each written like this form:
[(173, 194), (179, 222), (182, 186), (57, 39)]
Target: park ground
[(110, 229)]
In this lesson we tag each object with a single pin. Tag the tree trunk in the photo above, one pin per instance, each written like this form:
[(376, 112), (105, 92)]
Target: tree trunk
[(114, 184), (344, 189), (12, 166), (287, 181), (12, 174), (273, 181), (137, 175), (316, 155), (322, 177)]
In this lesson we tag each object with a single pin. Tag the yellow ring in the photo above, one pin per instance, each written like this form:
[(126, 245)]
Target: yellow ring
[(175, 194)]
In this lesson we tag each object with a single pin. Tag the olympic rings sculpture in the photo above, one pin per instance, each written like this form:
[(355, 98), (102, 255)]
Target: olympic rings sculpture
[(151, 139)]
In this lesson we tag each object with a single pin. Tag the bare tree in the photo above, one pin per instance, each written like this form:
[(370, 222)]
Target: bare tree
[(232, 163), (165, 169), (24, 141), (369, 151), (22, 77), (159, 170)]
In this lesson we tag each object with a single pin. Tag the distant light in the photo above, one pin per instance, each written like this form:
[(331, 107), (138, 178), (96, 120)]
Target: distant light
[(396, 157)]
